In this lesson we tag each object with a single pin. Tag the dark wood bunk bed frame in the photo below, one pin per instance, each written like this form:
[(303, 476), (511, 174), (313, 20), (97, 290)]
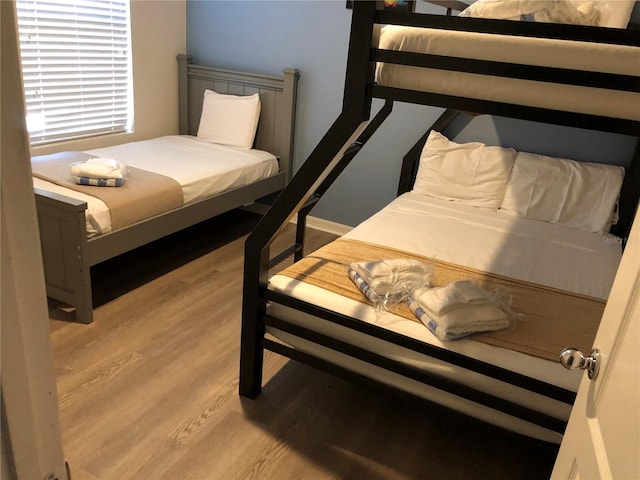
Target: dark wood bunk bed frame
[(342, 142), (67, 252)]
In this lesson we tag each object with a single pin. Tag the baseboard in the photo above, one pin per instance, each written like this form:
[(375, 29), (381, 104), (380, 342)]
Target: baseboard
[(325, 225), (312, 222)]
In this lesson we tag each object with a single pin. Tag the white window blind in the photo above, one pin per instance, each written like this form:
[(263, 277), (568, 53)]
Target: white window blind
[(76, 64)]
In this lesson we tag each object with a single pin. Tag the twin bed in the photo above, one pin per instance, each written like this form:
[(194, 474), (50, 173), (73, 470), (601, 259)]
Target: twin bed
[(548, 231), (221, 160)]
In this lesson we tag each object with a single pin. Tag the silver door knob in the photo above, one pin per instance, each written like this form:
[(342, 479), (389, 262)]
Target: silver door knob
[(574, 359)]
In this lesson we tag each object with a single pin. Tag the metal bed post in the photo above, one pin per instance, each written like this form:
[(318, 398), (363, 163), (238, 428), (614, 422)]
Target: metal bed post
[(356, 108), (257, 247)]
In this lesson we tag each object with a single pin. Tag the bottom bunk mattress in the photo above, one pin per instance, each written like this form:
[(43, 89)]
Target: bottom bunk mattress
[(200, 169), (560, 278)]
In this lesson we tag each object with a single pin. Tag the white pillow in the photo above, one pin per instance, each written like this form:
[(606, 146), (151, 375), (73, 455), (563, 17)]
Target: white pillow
[(470, 173), (577, 194), (229, 119)]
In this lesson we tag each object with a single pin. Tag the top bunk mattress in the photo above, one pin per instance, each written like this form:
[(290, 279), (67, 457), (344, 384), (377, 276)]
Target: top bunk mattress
[(543, 52), (202, 169)]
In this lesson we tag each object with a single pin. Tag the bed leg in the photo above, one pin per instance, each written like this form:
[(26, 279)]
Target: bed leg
[(254, 306), (251, 360), (251, 355), (80, 281), (84, 303)]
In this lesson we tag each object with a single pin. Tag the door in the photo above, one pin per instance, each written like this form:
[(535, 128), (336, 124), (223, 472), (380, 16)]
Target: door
[(30, 430), (602, 440)]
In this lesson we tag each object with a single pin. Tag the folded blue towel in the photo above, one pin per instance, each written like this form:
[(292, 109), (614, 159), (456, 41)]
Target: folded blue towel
[(362, 285), (98, 182)]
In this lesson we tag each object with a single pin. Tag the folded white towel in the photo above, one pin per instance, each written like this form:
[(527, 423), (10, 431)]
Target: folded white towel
[(99, 168), (393, 277), (457, 294), (458, 316)]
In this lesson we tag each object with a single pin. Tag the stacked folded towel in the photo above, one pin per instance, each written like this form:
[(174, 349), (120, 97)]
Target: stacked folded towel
[(389, 281), (457, 309), (100, 172)]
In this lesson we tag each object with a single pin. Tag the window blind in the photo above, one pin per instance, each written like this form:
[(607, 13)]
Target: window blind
[(76, 66)]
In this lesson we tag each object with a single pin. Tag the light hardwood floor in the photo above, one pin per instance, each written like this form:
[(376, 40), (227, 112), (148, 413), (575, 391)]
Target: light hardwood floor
[(149, 390)]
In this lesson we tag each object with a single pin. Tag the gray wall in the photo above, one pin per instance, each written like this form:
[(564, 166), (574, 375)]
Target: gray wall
[(266, 36)]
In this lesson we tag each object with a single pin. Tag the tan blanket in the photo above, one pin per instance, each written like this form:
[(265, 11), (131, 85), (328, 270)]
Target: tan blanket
[(548, 319), (144, 194)]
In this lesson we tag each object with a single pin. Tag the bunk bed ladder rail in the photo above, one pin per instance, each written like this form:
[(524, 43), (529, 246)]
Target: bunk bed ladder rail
[(257, 257), (337, 143)]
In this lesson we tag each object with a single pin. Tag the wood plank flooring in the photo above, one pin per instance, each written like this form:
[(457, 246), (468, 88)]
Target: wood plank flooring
[(149, 390)]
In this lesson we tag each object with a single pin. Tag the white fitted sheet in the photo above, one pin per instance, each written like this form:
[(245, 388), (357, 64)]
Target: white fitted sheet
[(494, 241), (484, 239), (587, 56), (203, 169)]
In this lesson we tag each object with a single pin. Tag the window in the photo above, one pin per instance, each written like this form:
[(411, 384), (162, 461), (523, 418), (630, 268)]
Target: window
[(76, 62)]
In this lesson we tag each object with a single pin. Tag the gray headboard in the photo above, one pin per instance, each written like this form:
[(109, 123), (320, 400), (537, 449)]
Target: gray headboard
[(277, 100)]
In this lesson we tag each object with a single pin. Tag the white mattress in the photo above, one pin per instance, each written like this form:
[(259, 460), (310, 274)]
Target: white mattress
[(619, 59), (489, 240), (203, 169)]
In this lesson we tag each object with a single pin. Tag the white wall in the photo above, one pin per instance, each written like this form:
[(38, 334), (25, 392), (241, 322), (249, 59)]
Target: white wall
[(158, 34)]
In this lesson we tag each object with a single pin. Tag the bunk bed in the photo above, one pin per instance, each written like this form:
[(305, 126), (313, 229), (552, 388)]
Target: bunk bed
[(74, 238), (311, 313)]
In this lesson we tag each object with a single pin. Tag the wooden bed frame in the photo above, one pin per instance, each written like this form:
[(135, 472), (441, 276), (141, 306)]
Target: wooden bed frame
[(345, 139), (68, 253)]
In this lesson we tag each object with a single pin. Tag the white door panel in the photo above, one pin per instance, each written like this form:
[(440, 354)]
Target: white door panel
[(602, 440)]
